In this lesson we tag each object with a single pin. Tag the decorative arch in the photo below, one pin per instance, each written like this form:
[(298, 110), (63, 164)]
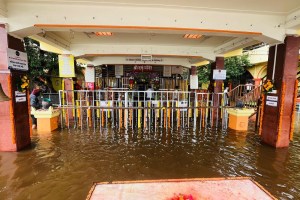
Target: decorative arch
[(260, 73)]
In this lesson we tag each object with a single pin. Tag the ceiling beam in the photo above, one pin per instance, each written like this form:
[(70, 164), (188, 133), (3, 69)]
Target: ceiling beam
[(117, 49), (134, 60), (233, 45), (54, 40), (293, 20)]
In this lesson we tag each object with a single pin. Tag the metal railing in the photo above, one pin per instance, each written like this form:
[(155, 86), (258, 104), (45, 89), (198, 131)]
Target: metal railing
[(245, 94), (100, 109)]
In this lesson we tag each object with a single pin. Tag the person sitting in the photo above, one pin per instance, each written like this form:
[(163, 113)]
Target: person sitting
[(34, 102), (149, 92)]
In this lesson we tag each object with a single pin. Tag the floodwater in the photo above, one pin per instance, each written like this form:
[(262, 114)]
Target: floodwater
[(64, 164)]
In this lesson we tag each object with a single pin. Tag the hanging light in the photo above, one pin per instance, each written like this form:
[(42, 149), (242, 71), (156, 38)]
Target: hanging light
[(3, 96)]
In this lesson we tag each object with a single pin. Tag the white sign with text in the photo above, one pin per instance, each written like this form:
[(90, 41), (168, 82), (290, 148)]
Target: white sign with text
[(271, 103), (272, 98), (219, 74), (17, 60)]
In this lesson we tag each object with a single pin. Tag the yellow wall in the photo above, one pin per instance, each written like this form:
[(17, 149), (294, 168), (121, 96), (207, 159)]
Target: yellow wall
[(237, 52), (258, 70)]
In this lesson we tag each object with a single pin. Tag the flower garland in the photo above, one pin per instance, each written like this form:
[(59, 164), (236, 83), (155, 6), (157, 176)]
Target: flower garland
[(268, 86), (261, 114), (29, 112), (293, 111), (22, 83), (281, 111)]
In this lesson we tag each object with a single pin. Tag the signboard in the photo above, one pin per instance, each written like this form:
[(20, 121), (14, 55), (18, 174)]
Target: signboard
[(142, 68), (219, 74), (106, 104), (90, 74), (66, 66), (20, 94), (167, 71), (271, 103), (272, 98), (20, 99), (193, 82), (177, 70), (17, 60), (183, 104), (119, 70)]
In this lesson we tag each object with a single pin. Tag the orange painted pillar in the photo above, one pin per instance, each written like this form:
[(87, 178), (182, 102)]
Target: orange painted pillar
[(14, 116), (279, 108)]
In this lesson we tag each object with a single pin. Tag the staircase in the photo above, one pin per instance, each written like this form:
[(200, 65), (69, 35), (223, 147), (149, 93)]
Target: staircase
[(247, 95)]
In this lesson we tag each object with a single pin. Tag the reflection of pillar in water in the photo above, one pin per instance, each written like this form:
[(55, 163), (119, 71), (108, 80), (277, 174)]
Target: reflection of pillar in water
[(98, 110), (139, 114), (8, 170)]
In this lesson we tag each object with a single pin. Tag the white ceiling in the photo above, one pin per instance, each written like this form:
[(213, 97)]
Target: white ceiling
[(152, 27), (141, 38), (251, 6)]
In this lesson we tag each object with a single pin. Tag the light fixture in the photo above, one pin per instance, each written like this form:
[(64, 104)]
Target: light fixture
[(3, 96), (103, 33), (192, 36)]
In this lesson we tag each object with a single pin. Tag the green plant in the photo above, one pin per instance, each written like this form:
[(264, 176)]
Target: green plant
[(235, 66), (204, 73)]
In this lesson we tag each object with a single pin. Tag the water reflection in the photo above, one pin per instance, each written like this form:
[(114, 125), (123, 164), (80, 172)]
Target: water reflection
[(64, 164)]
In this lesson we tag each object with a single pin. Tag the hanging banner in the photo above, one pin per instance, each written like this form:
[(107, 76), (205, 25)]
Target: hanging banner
[(219, 74), (193, 82), (17, 60), (90, 74), (177, 70), (66, 66), (119, 70), (167, 71)]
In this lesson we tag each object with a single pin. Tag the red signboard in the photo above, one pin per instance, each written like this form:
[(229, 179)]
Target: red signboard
[(142, 68)]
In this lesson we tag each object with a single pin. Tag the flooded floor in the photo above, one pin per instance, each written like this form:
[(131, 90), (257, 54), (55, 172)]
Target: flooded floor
[(64, 164)]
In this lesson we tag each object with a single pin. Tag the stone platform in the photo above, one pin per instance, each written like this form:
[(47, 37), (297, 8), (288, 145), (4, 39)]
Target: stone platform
[(188, 189)]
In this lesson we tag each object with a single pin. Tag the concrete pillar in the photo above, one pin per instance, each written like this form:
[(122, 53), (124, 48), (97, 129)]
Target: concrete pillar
[(14, 117), (218, 64), (69, 85), (216, 87), (193, 70), (277, 120)]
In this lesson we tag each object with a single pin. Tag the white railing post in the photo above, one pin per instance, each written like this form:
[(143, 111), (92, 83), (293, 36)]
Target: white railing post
[(126, 110)]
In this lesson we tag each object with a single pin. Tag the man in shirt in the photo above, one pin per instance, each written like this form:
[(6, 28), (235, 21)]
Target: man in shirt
[(34, 102)]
